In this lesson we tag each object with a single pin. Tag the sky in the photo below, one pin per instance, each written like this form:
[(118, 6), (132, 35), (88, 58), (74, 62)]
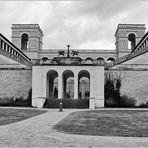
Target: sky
[(85, 24)]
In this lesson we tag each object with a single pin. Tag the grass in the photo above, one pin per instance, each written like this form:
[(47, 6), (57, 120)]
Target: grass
[(128, 123), (8, 116)]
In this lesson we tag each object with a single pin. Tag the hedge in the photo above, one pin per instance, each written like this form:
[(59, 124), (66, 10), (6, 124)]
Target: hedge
[(67, 103)]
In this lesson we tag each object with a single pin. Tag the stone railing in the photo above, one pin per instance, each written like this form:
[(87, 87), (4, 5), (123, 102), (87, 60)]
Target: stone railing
[(11, 51), (67, 61)]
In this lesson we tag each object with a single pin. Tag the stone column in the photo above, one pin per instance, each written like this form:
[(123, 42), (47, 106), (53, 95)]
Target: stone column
[(91, 86), (76, 86), (146, 42), (0, 44), (60, 86), (83, 89), (3, 45), (92, 99), (44, 86)]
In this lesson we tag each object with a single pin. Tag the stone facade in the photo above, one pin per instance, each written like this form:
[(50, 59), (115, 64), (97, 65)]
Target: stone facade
[(134, 84), (15, 83), (35, 34), (16, 80), (40, 82), (122, 37)]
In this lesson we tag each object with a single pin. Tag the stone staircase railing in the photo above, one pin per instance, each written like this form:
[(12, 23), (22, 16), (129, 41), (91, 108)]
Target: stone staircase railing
[(9, 50), (140, 48)]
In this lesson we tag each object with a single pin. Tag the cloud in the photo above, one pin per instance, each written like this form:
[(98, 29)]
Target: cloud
[(83, 24)]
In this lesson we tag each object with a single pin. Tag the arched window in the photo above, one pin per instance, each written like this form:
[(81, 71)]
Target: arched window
[(89, 60), (100, 60), (84, 84), (131, 41), (110, 60), (68, 84), (45, 60), (24, 41), (52, 84)]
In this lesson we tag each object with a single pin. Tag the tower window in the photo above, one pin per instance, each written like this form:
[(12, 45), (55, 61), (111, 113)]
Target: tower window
[(131, 41), (24, 41)]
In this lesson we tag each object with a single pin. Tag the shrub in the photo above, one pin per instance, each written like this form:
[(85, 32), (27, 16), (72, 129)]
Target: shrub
[(67, 103), (144, 105), (127, 102), (113, 97), (20, 101), (112, 90)]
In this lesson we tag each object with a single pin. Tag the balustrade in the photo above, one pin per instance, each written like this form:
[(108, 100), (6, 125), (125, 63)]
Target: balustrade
[(9, 50), (142, 47), (54, 62)]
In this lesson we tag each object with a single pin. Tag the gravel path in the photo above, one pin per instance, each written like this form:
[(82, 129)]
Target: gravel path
[(38, 132)]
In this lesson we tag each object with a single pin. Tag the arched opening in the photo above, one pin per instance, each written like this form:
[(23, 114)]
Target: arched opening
[(100, 60), (52, 84), (45, 60), (84, 84), (110, 60), (68, 84), (89, 60), (24, 41), (131, 41)]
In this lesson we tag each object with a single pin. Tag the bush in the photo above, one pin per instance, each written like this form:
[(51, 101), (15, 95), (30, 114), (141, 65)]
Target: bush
[(127, 102), (112, 90), (20, 101), (67, 103), (113, 97), (145, 105)]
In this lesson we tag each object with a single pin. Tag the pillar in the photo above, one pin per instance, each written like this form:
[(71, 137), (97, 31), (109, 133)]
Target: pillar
[(76, 86), (0, 44), (44, 89), (146, 42), (91, 86), (92, 98), (83, 90), (60, 86)]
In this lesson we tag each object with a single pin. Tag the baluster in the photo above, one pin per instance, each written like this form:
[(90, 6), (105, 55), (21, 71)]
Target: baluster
[(0, 43)]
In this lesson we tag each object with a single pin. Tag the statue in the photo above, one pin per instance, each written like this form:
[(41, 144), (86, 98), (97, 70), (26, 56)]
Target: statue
[(75, 53), (62, 52)]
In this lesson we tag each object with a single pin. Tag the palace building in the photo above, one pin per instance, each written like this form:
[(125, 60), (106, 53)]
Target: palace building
[(72, 73)]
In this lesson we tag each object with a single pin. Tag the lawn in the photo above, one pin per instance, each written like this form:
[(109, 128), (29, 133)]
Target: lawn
[(8, 116), (106, 123)]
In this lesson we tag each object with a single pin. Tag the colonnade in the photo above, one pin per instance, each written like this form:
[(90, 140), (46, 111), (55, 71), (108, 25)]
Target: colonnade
[(61, 86), (95, 74)]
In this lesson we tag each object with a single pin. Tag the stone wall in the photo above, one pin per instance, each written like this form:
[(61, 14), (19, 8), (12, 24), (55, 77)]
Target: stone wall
[(15, 82), (134, 84)]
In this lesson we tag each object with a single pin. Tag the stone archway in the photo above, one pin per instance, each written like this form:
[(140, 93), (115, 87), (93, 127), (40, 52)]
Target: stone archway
[(52, 84), (131, 41), (84, 84), (24, 41), (68, 84), (100, 60)]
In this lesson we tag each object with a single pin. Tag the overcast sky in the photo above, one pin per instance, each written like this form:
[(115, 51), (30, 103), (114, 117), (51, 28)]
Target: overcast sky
[(83, 24)]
